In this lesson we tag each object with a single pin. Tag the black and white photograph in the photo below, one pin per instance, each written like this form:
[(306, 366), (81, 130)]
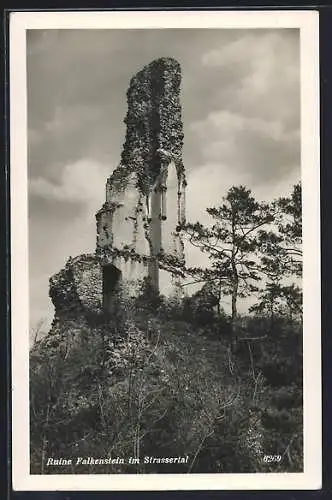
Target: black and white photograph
[(165, 250)]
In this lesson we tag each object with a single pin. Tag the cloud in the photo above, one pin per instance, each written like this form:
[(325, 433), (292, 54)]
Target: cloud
[(73, 132), (81, 182), (265, 70), (72, 117), (222, 122), (233, 53), (62, 223), (249, 102), (76, 103), (263, 149), (218, 179)]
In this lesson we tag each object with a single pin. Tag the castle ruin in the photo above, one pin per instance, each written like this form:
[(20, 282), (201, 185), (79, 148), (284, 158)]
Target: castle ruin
[(138, 226)]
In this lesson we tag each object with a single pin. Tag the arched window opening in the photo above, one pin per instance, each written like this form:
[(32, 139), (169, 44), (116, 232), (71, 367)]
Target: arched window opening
[(111, 278)]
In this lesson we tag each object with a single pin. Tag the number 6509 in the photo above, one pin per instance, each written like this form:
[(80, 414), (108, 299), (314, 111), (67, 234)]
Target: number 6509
[(272, 458)]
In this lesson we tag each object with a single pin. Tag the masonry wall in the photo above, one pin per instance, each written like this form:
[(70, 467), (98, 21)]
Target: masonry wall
[(138, 223), (138, 226)]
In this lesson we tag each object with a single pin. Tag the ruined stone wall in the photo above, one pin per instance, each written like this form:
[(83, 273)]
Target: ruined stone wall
[(153, 120), (137, 222), (138, 227), (78, 286)]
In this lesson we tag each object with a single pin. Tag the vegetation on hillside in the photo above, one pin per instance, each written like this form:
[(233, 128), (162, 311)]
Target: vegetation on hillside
[(182, 378)]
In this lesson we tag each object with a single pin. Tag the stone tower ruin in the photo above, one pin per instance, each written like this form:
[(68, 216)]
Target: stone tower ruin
[(139, 225)]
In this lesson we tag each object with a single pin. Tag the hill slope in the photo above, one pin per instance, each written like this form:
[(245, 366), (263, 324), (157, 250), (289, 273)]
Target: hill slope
[(145, 384)]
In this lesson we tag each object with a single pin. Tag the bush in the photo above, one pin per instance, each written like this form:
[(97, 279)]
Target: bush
[(150, 382)]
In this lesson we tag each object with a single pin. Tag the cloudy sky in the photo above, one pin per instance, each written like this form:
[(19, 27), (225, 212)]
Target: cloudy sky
[(241, 112)]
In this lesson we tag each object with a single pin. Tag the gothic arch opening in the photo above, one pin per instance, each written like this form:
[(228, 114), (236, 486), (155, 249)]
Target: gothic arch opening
[(111, 278), (170, 211)]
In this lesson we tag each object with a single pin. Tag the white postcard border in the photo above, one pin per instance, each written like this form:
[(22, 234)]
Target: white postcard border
[(307, 22)]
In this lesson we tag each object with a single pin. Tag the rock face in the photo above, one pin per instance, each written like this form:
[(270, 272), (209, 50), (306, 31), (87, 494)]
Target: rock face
[(138, 227)]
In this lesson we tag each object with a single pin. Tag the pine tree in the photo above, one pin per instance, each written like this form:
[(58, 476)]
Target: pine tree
[(232, 243), (281, 259)]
